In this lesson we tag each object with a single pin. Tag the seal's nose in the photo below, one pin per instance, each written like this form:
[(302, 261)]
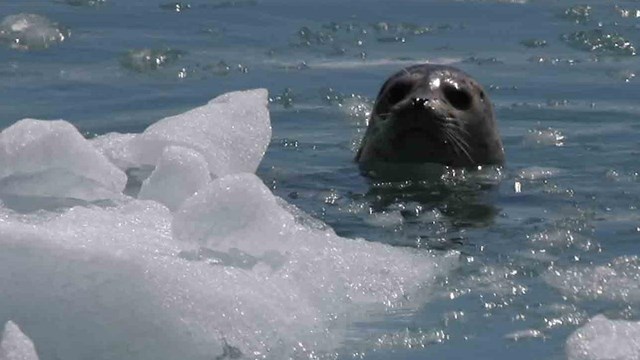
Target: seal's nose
[(420, 103)]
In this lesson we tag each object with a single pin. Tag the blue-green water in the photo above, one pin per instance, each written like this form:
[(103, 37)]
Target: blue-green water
[(562, 76)]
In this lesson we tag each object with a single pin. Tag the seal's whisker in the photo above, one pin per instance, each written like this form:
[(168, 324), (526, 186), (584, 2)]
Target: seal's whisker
[(459, 144)]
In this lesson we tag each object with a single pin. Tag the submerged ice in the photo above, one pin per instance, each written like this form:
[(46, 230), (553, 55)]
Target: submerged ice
[(30, 31), (205, 262)]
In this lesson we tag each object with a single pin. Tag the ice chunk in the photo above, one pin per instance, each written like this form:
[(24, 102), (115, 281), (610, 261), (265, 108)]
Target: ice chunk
[(236, 211), (31, 31), (180, 172), (15, 345), (604, 339), (112, 282), (118, 149), (51, 159), (232, 131)]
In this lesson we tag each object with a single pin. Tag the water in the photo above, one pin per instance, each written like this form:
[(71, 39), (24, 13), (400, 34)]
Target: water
[(548, 246)]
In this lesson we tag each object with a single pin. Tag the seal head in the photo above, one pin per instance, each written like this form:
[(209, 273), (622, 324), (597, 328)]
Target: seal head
[(432, 114)]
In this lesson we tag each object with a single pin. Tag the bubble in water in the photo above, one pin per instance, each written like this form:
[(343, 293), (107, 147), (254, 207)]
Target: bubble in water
[(285, 98), (144, 60), (31, 31)]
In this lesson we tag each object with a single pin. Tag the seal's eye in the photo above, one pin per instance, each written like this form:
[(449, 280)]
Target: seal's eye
[(398, 91), (459, 98)]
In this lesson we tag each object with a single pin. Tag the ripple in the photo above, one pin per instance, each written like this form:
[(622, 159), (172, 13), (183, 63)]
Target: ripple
[(85, 2), (538, 173), (579, 14), (176, 6), (533, 43), (600, 42), (544, 137), (31, 31), (145, 60), (338, 39)]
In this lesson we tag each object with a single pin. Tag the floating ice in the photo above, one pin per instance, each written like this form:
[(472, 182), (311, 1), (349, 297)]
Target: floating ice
[(115, 281), (237, 211), (51, 159), (232, 132), (618, 280), (31, 31), (180, 172), (604, 339), (15, 345), (118, 149)]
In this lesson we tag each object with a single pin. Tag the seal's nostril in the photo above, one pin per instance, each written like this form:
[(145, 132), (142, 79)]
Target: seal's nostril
[(459, 98), (398, 91)]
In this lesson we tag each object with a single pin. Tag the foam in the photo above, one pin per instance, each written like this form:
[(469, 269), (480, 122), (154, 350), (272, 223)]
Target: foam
[(604, 339), (15, 345)]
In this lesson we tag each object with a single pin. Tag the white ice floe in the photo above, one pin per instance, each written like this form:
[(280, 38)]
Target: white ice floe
[(604, 339), (234, 271), (51, 159), (15, 345), (118, 149), (114, 278), (232, 132), (180, 172), (31, 31)]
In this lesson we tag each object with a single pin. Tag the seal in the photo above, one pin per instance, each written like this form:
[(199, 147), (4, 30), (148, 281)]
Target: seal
[(431, 114)]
